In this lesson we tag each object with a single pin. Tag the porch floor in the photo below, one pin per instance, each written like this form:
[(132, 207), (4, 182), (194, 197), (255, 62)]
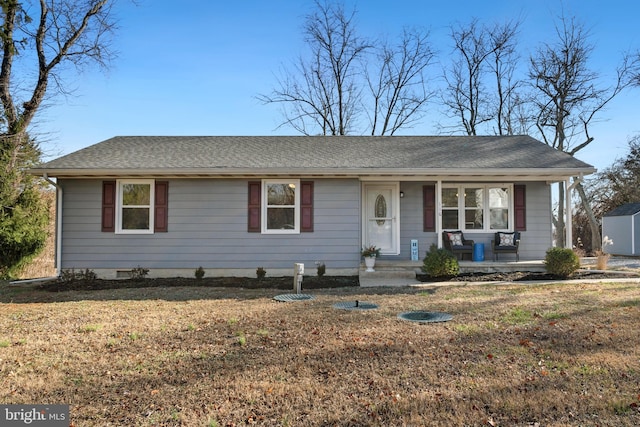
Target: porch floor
[(403, 273)]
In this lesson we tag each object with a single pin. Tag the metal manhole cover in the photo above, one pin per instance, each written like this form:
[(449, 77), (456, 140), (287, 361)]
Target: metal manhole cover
[(293, 297), (355, 305), (425, 316)]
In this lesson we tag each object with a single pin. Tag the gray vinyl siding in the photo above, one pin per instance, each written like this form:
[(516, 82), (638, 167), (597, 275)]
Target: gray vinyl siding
[(534, 241), (411, 222), (207, 226), (619, 230), (537, 238)]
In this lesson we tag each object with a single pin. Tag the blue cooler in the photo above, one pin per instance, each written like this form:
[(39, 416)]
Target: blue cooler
[(478, 251)]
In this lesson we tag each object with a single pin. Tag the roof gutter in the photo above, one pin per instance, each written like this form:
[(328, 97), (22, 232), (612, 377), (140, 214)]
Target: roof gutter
[(350, 172), (58, 222)]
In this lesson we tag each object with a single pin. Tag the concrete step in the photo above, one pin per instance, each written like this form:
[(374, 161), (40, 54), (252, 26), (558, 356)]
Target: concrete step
[(501, 266), (390, 273), (394, 267)]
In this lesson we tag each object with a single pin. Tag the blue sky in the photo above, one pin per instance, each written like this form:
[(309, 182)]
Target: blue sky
[(196, 68)]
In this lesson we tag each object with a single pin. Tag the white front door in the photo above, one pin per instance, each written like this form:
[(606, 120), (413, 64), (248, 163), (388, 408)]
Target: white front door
[(381, 217)]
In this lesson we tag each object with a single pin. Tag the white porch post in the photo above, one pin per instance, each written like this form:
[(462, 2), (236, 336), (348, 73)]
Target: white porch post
[(439, 212), (568, 214)]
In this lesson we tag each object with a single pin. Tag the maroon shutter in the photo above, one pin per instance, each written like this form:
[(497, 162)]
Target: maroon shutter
[(255, 190), (519, 207), (429, 208), (161, 207), (108, 206), (306, 206)]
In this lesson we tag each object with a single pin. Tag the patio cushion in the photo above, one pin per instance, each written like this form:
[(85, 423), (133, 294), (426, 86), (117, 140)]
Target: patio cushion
[(506, 239), (455, 238), (455, 242), (506, 243)]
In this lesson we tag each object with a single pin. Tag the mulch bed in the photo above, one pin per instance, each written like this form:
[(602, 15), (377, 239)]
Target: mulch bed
[(520, 276), (311, 282)]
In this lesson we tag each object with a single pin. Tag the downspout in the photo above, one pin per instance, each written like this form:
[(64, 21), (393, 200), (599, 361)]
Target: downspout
[(58, 223)]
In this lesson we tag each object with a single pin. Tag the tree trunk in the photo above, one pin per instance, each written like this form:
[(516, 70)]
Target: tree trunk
[(596, 238)]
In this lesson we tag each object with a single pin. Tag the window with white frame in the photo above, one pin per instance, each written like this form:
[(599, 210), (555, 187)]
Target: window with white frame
[(477, 207), (135, 200), (281, 206)]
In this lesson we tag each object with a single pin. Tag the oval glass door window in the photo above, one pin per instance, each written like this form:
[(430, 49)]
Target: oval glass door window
[(380, 209)]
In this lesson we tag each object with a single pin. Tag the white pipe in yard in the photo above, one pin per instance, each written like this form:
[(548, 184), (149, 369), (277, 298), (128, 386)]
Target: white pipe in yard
[(298, 272)]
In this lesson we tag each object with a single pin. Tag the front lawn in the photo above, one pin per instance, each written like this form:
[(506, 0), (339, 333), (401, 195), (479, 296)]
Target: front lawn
[(549, 355)]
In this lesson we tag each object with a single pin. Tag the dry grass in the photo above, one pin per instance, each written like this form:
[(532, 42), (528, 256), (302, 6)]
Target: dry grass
[(602, 259), (557, 355)]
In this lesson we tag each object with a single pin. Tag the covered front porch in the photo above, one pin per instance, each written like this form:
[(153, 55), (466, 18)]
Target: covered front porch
[(402, 216)]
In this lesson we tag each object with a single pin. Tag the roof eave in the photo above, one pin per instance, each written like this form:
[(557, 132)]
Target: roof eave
[(546, 173)]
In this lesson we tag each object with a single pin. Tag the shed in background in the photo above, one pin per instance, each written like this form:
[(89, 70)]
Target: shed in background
[(622, 227)]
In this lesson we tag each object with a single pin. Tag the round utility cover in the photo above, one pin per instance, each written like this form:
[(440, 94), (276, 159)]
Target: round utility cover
[(425, 316), (355, 305)]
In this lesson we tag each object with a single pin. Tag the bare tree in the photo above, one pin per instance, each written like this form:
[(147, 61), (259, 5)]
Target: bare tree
[(64, 32), (620, 182), (322, 94), (465, 89), (398, 89), (509, 109), (34, 50), (479, 50), (568, 96), (329, 91), (610, 188)]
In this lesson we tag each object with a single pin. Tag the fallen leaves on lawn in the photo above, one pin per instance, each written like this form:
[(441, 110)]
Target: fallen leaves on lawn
[(172, 356)]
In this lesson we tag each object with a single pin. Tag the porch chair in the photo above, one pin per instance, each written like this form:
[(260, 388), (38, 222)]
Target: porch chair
[(455, 243), (505, 243)]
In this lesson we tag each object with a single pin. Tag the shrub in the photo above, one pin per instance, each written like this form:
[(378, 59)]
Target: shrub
[(321, 269), (261, 272), (88, 275), (562, 262), (24, 215), (440, 263), (199, 273), (70, 276), (139, 273)]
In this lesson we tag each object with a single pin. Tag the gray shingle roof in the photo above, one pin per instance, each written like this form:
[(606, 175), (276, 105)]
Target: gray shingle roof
[(625, 210), (316, 154)]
